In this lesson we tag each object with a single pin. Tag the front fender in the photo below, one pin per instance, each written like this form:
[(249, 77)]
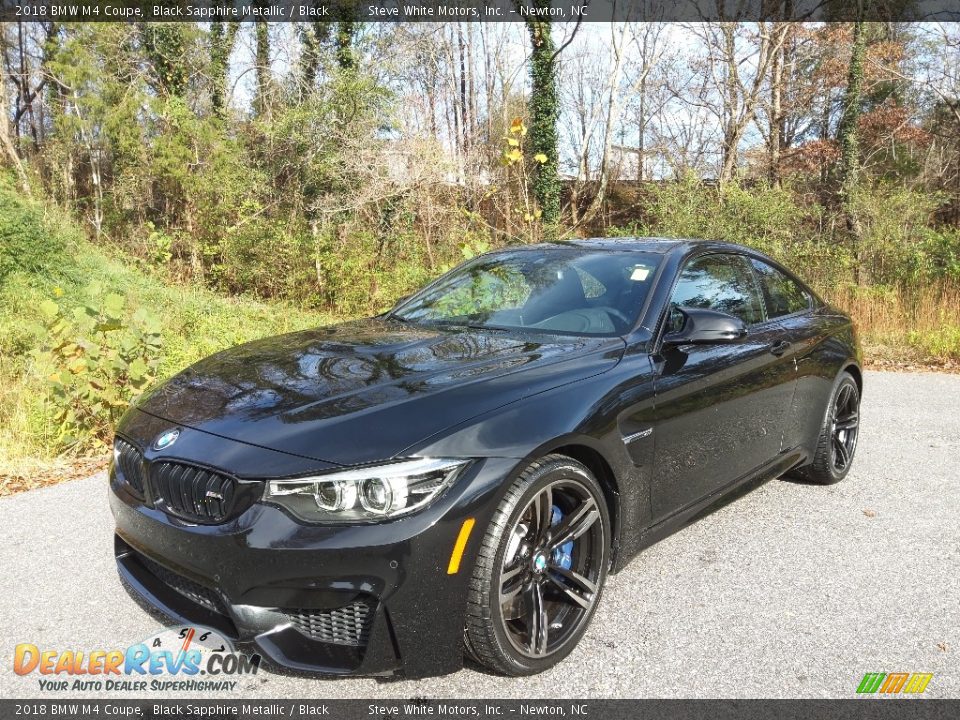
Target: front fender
[(582, 419)]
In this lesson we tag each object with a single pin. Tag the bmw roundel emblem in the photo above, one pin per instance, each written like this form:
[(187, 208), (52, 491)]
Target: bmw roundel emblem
[(166, 440)]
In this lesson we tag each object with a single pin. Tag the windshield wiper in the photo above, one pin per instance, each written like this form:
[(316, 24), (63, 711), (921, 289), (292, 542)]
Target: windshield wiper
[(490, 328)]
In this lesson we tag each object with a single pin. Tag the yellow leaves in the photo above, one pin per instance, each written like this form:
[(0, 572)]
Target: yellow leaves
[(513, 156), (77, 366), (514, 151)]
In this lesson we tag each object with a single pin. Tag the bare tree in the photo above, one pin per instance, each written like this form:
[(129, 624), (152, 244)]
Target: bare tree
[(6, 138), (736, 64)]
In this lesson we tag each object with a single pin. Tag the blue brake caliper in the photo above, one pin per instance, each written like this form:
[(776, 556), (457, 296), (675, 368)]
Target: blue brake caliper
[(561, 557)]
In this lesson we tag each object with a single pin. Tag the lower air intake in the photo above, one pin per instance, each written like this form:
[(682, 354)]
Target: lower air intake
[(188, 588), (348, 625)]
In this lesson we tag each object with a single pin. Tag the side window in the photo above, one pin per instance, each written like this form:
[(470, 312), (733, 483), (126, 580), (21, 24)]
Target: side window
[(719, 282), (782, 294)]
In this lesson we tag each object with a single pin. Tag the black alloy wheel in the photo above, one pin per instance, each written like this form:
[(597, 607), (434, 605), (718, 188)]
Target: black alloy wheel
[(844, 427), (839, 432), (542, 567)]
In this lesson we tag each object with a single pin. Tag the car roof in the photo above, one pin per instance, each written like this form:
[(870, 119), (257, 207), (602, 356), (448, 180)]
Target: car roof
[(656, 245)]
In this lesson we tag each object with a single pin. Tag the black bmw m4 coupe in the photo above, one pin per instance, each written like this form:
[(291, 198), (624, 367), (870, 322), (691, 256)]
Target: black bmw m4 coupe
[(459, 475)]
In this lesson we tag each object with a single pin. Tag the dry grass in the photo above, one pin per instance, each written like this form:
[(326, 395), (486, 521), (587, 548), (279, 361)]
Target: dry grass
[(905, 327)]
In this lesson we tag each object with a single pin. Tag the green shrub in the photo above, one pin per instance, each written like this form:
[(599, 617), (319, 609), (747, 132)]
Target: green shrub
[(761, 216), (943, 344), (896, 234), (364, 274), (97, 361), (27, 244)]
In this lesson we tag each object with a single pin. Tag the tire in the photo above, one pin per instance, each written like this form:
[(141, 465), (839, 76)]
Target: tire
[(830, 465), (550, 585)]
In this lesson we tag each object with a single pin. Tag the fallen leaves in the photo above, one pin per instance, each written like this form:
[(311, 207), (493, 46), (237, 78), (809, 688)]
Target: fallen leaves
[(41, 474)]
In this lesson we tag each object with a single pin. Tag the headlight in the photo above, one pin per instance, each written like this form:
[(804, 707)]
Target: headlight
[(369, 493)]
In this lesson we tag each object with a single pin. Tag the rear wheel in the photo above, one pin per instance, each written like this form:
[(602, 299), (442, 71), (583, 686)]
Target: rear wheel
[(838, 435), (541, 569)]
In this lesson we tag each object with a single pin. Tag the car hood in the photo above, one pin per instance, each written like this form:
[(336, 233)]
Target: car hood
[(367, 390)]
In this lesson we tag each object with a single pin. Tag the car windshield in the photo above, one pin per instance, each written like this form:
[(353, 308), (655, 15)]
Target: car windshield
[(563, 290)]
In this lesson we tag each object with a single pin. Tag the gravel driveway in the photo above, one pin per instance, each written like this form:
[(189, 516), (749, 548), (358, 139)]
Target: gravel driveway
[(791, 590)]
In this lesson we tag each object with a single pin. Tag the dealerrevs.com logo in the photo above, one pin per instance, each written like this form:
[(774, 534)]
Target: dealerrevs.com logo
[(894, 683), (185, 658)]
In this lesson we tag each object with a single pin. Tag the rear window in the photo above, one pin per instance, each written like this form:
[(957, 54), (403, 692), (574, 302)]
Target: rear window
[(781, 293)]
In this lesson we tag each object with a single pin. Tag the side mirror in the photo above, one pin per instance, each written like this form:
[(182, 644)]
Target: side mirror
[(704, 327)]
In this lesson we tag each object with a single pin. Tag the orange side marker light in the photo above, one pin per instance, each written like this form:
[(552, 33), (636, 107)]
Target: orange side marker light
[(459, 546)]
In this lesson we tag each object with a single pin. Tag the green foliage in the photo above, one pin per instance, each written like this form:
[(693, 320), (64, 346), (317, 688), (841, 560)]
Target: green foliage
[(363, 276), (97, 360), (489, 289), (943, 344), (165, 46), (472, 247), (84, 282), (159, 244), (763, 217), (898, 243), (26, 245)]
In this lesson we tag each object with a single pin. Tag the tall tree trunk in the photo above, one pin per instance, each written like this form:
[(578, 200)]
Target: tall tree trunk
[(261, 102), (731, 104), (346, 31), (613, 116), (642, 130), (6, 139), (544, 113), (462, 89), (222, 38), (847, 138), (740, 99), (777, 119)]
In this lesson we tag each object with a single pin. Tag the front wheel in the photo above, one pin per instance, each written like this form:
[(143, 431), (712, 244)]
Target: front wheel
[(839, 433), (540, 570)]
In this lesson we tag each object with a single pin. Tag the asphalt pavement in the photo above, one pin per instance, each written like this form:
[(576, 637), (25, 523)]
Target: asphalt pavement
[(790, 590)]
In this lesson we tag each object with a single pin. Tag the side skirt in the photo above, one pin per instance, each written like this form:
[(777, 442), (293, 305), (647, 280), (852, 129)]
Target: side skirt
[(652, 534)]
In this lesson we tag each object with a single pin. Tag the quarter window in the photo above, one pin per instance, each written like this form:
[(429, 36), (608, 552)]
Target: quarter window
[(782, 294), (718, 282)]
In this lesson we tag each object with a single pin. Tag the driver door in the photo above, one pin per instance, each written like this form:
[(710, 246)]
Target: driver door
[(720, 408)]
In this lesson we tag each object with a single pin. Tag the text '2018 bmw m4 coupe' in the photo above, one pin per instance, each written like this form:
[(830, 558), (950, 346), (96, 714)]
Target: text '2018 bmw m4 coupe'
[(458, 475)]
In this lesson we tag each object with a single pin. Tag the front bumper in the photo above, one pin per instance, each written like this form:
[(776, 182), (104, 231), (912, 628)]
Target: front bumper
[(360, 599)]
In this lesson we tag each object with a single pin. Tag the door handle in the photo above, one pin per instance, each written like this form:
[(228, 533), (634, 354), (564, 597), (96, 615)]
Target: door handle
[(780, 347)]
